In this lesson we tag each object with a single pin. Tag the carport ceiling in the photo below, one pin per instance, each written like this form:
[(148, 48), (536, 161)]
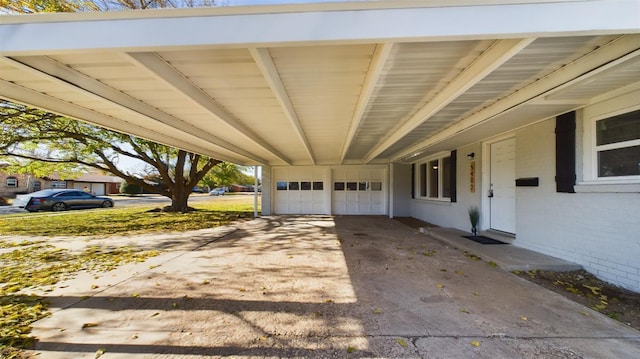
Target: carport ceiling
[(331, 83)]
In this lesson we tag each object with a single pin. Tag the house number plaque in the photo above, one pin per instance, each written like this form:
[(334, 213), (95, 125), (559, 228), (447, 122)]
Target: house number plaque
[(472, 176)]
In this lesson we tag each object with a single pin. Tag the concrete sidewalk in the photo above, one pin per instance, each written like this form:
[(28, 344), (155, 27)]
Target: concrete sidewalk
[(507, 256), (316, 286)]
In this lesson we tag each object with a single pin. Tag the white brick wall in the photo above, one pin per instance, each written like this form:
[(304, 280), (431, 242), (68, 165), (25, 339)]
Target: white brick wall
[(454, 215), (600, 231)]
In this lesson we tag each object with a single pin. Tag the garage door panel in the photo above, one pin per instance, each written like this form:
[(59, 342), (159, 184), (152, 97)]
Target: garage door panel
[(300, 190), (359, 191)]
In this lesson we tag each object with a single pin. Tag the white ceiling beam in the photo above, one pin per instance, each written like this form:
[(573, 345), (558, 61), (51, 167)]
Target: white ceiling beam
[(53, 71), (417, 21), (163, 71), (15, 93), (263, 59), (380, 56), (599, 60), (496, 55)]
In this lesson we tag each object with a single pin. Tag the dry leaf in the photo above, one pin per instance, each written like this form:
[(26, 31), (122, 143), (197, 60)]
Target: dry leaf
[(401, 342), (475, 343)]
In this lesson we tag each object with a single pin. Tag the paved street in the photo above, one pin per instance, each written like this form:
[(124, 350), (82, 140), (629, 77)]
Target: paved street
[(124, 201)]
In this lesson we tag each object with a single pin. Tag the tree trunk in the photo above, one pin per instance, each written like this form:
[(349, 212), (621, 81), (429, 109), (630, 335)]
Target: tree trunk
[(179, 202)]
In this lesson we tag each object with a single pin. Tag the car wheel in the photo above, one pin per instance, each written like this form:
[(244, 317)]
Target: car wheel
[(59, 206), (107, 204)]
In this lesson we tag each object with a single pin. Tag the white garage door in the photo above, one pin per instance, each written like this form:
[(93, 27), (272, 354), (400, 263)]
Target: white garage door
[(359, 191), (95, 188), (301, 190)]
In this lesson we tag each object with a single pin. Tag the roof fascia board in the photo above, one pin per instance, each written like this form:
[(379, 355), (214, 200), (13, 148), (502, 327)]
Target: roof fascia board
[(263, 59), (376, 66), (53, 71), (499, 53), (619, 50), (256, 10), (163, 71), (512, 20), (19, 94)]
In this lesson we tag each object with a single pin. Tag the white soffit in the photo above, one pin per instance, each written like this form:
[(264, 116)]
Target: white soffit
[(353, 83)]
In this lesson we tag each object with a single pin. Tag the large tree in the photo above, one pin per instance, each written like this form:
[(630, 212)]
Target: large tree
[(225, 174), (30, 134), (35, 6)]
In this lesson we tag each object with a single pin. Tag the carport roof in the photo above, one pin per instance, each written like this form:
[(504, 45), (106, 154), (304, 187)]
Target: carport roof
[(325, 83)]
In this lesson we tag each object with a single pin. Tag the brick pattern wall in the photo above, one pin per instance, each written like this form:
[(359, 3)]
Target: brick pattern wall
[(597, 230), (10, 192)]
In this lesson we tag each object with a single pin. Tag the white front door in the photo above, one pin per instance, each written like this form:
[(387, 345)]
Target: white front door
[(502, 186)]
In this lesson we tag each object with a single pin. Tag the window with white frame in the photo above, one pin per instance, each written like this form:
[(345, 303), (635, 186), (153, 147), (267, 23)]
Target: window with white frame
[(12, 182), (617, 146), (434, 178), (58, 184)]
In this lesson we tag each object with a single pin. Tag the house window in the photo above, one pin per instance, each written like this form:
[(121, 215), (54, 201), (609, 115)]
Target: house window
[(281, 186), (37, 185), (58, 184), (305, 186), (12, 182), (434, 178), (318, 186), (423, 180), (618, 145)]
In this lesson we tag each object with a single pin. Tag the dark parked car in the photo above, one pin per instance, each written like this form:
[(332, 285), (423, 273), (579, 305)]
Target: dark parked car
[(60, 200)]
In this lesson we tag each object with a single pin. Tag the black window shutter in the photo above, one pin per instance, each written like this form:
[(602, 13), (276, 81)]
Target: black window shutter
[(453, 176), (413, 180), (566, 152)]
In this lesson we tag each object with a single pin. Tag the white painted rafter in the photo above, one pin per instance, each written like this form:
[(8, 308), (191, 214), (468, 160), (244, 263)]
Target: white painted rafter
[(52, 71), (599, 60), (19, 94), (163, 71), (496, 55), (380, 56), (263, 59)]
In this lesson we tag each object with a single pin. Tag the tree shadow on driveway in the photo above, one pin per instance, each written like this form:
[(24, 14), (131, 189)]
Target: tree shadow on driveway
[(317, 286)]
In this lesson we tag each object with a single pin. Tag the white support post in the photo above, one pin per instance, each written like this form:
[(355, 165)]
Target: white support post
[(255, 192)]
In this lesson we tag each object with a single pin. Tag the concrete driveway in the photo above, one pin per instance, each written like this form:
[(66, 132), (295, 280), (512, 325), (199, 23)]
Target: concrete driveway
[(341, 287)]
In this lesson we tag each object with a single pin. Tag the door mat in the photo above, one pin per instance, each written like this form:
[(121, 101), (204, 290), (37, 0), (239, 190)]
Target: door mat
[(483, 240)]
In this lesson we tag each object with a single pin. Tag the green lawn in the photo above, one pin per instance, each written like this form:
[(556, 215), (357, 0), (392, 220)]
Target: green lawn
[(34, 265), (116, 221)]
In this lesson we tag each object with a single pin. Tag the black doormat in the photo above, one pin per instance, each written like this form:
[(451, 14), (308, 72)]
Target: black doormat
[(483, 240)]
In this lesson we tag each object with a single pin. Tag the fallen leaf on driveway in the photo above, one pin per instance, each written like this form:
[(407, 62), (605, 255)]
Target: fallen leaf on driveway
[(89, 325), (475, 343), (401, 342)]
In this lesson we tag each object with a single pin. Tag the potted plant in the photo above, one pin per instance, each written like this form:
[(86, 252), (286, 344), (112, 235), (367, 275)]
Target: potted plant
[(474, 217)]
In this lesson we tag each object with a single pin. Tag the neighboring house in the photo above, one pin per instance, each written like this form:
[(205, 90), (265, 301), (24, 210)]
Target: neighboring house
[(90, 182), (240, 188), (13, 184), (529, 110)]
